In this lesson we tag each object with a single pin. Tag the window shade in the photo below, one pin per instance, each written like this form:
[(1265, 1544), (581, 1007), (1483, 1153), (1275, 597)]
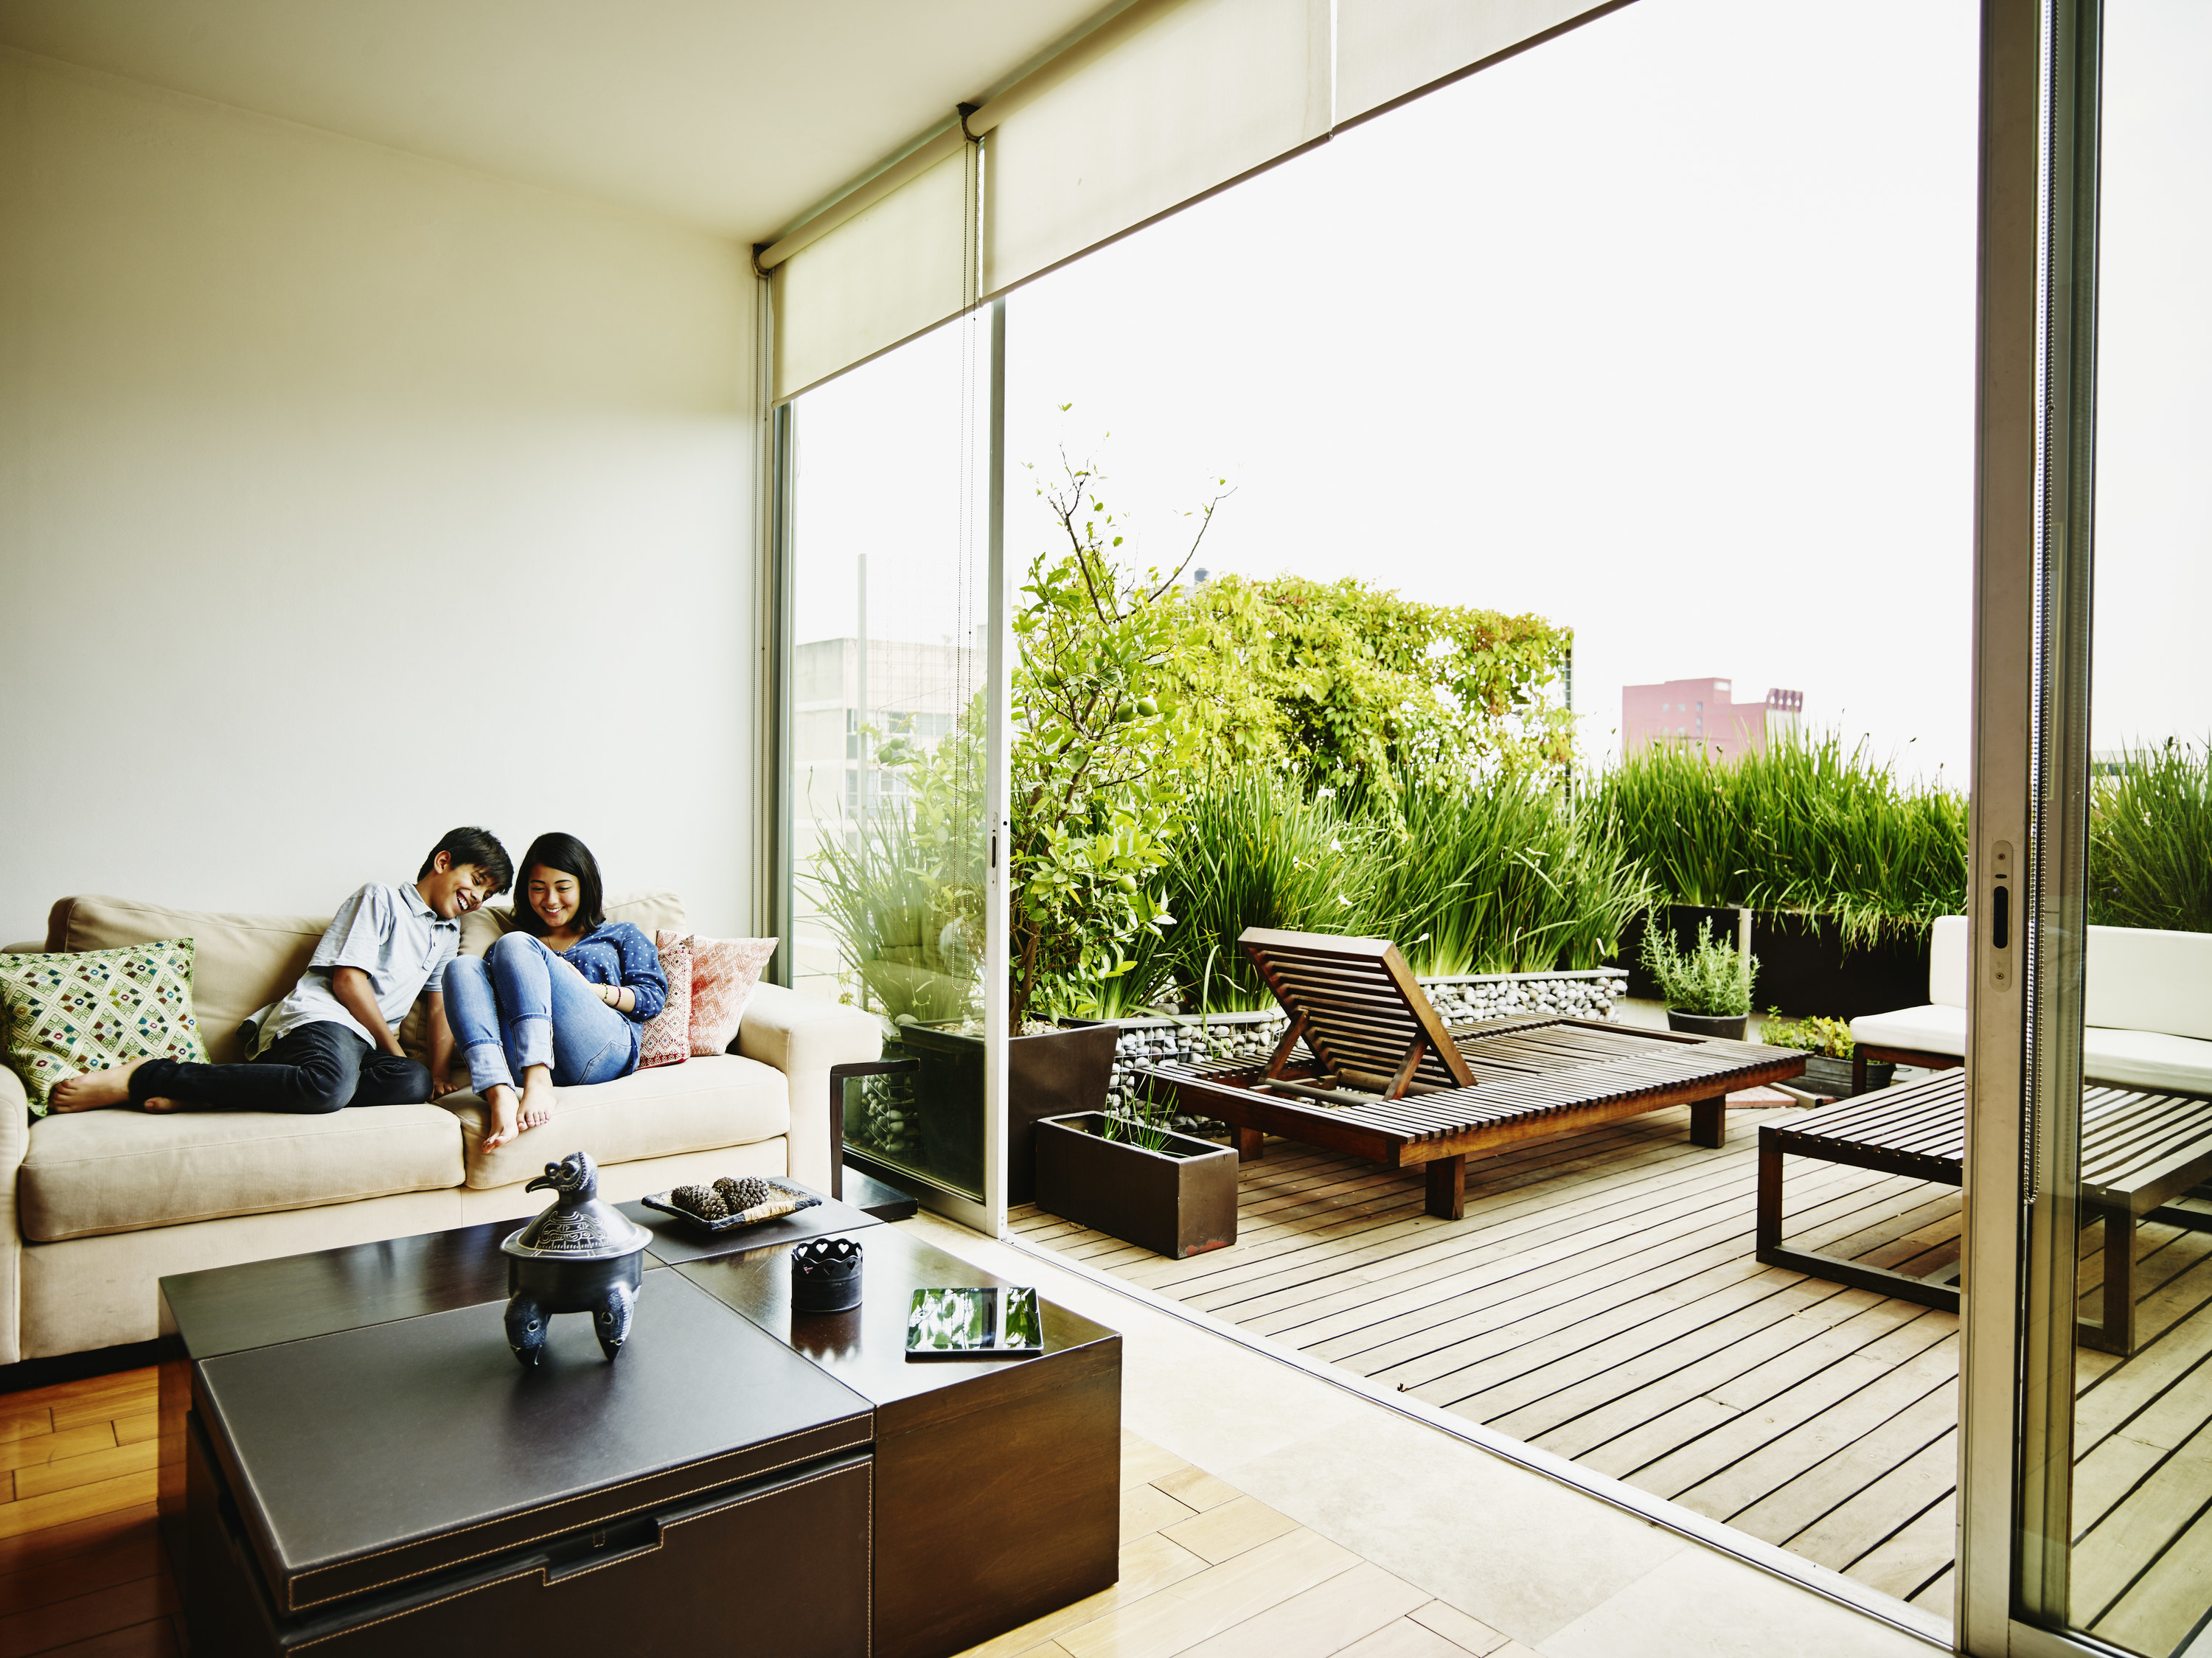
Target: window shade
[(1387, 48), (882, 276), (1204, 91)]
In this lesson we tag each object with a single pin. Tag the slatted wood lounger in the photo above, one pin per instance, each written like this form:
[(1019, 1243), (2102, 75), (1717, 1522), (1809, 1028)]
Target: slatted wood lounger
[(2138, 1152), (1382, 1077)]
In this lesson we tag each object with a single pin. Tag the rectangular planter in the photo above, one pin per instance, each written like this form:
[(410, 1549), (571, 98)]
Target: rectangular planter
[(1803, 966), (1825, 1076), (1178, 1202)]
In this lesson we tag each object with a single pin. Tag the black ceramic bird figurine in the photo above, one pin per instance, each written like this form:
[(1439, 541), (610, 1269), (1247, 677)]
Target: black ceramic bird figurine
[(581, 1256)]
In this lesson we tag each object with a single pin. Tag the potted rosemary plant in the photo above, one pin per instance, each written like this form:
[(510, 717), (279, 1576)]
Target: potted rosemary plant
[(1707, 987)]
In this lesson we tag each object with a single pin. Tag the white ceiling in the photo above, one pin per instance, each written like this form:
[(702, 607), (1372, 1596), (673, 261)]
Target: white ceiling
[(735, 115)]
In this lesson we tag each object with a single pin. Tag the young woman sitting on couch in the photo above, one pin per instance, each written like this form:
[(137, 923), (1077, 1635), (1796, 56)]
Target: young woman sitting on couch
[(560, 1002)]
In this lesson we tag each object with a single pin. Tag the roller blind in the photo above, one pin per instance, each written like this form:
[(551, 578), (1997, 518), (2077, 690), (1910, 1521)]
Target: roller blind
[(899, 268), (1201, 92), (1387, 48)]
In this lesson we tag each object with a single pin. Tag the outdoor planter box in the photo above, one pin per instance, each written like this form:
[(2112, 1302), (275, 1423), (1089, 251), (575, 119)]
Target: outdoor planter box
[(1178, 1201), (1803, 966), (1823, 1075)]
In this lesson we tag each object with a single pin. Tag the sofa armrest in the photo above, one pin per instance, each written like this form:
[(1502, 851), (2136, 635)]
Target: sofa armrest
[(14, 1142), (803, 1037)]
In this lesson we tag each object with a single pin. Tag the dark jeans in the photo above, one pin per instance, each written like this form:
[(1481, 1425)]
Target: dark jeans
[(318, 1067)]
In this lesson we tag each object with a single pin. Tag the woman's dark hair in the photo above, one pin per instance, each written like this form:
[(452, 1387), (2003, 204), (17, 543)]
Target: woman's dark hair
[(571, 857), (479, 846)]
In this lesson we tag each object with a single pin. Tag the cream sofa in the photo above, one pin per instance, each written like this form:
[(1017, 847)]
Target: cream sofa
[(2147, 1010), (103, 1203)]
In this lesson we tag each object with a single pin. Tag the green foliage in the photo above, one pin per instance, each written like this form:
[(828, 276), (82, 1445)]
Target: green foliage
[(1098, 765), (1255, 851), (1710, 978), (1813, 1036), (1802, 826), (1500, 876), (1353, 685), (2150, 841)]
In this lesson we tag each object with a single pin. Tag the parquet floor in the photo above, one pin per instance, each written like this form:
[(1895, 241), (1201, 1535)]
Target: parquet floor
[(1599, 1299), (82, 1570)]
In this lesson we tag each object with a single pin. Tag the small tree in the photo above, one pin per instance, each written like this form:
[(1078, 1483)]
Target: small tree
[(1098, 759)]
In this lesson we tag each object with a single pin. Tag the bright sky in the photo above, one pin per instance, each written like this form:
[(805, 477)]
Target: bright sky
[(1663, 331)]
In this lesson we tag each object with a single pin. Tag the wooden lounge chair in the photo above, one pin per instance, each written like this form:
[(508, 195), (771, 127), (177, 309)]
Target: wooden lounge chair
[(1367, 1067)]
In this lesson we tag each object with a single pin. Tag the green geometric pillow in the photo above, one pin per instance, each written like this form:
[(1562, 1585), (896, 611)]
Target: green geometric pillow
[(65, 1014)]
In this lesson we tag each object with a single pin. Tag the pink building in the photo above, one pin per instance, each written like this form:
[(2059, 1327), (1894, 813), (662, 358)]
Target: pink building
[(1700, 712)]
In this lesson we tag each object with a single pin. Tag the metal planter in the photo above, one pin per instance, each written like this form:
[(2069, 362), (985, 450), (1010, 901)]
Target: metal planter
[(1177, 1202)]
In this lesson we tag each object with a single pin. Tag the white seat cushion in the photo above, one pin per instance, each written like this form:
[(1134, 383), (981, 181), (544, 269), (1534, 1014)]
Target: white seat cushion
[(119, 1169), (2146, 1059), (1934, 1029), (699, 1106)]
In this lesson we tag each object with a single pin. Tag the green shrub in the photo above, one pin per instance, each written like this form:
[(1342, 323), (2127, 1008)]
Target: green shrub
[(1255, 851), (1500, 876), (1804, 825), (1710, 978), (1813, 1036), (2150, 841)]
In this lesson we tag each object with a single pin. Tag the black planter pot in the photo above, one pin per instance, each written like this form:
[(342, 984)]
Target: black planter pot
[(1049, 1074), (1177, 1201), (1729, 1025), (1803, 968), (1833, 1077)]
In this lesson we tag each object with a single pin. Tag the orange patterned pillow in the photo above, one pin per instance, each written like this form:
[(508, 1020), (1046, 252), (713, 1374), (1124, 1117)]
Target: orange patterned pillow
[(723, 974), (666, 1038)]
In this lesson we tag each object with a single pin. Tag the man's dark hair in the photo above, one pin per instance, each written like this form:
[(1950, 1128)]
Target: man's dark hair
[(570, 856), (479, 846)]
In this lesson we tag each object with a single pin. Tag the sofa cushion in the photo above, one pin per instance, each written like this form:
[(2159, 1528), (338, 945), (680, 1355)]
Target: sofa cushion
[(2142, 979), (1932, 1029), (1947, 942), (117, 1170), (239, 963), (719, 1100), (2146, 1059), (648, 911)]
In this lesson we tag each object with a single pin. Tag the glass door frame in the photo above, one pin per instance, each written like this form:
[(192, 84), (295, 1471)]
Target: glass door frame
[(773, 817), (2027, 898)]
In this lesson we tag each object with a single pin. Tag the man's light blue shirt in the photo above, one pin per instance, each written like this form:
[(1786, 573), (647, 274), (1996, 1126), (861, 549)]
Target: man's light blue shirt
[(388, 932)]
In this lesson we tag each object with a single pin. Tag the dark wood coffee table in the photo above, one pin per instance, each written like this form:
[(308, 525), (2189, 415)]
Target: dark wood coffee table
[(996, 1481), (1000, 1503)]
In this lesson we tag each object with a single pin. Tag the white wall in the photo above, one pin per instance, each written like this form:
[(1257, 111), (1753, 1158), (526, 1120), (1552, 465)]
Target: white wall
[(345, 496)]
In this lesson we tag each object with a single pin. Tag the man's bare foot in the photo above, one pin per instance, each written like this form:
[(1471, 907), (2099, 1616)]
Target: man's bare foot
[(500, 1098), (94, 1088), (537, 1098), (159, 1105)]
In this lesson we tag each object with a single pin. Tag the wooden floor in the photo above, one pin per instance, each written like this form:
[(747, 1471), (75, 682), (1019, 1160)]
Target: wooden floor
[(82, 1572), (1599, 1299)]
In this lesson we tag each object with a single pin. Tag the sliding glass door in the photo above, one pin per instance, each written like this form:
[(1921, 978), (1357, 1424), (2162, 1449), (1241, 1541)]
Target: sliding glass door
[(2089, 1525)]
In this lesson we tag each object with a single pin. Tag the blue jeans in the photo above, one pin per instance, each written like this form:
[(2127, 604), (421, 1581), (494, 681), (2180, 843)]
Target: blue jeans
[(522, 1005)]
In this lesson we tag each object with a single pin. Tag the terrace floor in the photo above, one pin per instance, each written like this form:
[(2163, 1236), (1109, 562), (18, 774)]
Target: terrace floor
[(1600, 1300)]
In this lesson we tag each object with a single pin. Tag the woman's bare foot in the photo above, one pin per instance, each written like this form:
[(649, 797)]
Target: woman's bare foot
[(537, 1098), (94, 1088), (500, 1098)]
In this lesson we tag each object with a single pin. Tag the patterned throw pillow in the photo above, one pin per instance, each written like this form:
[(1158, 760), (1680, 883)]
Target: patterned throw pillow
[(666, 1038), (723, 974), (67, 1014)]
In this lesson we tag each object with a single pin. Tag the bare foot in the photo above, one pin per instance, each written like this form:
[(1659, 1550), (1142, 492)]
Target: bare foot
[(158, 1104), (94, 1088), (500, 1098), (537, 1098)]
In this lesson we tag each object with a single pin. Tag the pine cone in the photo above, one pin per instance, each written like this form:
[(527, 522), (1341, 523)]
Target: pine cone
[(748, 1194), (701, 1200)]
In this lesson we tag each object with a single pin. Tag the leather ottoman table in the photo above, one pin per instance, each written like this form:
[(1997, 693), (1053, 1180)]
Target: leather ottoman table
[(361, 1467)]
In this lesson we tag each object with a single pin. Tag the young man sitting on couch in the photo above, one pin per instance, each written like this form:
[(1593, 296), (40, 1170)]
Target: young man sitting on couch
[(330, 1043)]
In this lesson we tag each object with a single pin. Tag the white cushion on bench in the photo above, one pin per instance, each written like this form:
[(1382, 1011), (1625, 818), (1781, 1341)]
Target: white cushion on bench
[(1935, 1028), (2146, 1059)]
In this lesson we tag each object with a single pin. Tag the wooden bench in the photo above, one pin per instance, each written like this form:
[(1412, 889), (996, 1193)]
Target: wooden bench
[(2138, 1152), (1382, 1077)]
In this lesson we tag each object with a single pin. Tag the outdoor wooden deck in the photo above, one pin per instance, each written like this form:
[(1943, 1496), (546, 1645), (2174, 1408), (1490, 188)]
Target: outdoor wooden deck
[(1599, 1299)]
